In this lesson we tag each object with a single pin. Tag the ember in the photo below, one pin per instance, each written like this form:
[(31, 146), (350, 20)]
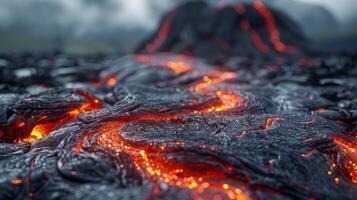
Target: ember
[(235, 112)]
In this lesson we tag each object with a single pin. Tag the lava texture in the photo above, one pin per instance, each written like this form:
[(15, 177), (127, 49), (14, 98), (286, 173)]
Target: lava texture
[(238, 114)]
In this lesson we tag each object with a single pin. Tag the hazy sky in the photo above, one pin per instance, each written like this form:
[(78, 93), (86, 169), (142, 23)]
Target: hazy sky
[(343, 9), (83, 16), (134, 19)]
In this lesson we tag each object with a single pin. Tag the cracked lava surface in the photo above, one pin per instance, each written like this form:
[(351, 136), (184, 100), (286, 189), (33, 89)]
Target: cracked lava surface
[(231, 113)]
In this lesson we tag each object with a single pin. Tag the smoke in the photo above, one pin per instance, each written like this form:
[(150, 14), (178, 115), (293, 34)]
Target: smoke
[(344, 10), (80, 17)]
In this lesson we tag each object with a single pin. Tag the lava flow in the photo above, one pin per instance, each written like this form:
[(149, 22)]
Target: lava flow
[(207, 180), (273, 32), (349, 154), (202, 179), (220, 103), (43, 129), (204, 182)]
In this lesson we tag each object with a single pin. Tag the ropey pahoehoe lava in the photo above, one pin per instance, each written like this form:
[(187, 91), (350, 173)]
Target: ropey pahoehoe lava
[(222, 102)]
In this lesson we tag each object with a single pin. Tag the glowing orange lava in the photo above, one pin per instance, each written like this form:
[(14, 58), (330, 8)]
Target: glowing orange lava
[(163, 32), (273, 32), (158, 168), (270, 121), (349, 152), (178, 66), (110, 80), (16, 181), (256, 39), (41, 130), (200, 178), (213, 77)]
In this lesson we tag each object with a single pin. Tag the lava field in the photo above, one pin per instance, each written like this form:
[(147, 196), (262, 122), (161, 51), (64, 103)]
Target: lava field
[(221, 102)]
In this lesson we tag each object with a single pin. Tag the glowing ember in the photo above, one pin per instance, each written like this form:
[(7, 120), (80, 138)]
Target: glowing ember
[(16, 181), (158, 168), (229, 99), (110, 80), (349, 151), (178, 66), (213, 77), (269, 122), (41, 130)]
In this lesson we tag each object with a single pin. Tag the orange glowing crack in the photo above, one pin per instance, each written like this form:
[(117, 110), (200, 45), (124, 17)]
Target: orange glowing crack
[(41, 130), (110, 80), (254, 36), (210, 78), (349, 152), (270, 121), (178, 66), (144, 58), (273, 32), (16, 181), (158, 168), (163, 33), (228, 99), (213, 77)]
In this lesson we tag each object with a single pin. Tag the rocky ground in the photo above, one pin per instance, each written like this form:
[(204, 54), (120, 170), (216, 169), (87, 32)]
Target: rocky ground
[(222, 102)]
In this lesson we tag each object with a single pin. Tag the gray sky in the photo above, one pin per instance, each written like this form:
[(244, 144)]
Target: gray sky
[(344, 10), (134, 19)]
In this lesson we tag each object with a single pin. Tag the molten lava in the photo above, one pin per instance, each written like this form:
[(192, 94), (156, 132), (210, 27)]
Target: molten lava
[(43, 129), (270, 24), (163, 32), (349, 153), (158, 168), (147, 159), (178, 66)]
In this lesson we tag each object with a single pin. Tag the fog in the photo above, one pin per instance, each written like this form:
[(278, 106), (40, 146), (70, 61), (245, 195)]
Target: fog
[(105, 24)]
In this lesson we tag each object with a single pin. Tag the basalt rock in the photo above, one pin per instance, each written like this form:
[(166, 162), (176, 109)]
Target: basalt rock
[(258, 125)]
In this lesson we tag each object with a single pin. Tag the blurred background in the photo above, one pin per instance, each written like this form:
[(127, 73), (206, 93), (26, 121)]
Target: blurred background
[(117, 26)]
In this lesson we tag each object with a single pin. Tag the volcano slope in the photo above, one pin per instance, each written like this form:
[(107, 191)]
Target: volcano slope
[(222, 102)]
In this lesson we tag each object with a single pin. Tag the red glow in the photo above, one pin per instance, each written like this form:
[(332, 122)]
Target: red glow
[(308, 154), (256, 39), (240, 9), (270, 121), (213, 77), (178, 66), (158, 168), (273, 32), (143, 58), (349, 152), (321, 109), (111, 80), (163, 33), (258, 42), (311, 121), (16, 181), (41, 130)]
